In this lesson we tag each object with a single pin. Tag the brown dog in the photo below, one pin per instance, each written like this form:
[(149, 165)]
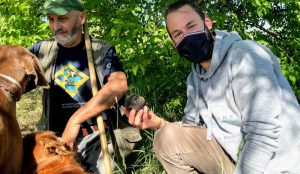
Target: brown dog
[(44, 153), (20, 71)]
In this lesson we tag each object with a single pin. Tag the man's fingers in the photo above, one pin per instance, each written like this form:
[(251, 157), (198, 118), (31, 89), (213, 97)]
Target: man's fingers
[(139, 118), (146, 113), (131, 116), (66, 141), (71, 145)]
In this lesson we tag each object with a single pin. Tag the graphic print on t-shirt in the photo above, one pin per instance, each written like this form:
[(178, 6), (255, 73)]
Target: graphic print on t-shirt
[(70, 79)]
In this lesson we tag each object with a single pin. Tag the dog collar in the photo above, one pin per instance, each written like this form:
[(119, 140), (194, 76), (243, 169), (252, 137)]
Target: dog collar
[(12, 80)]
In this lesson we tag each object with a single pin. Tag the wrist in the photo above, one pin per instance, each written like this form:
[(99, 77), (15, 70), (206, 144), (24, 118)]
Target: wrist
[(157, 122), (162, 123), (74, 119)]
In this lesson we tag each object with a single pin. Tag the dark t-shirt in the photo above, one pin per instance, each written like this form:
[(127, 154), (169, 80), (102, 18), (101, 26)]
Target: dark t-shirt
[(71, 86)]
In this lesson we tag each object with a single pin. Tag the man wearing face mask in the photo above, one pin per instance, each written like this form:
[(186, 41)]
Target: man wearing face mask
[(241, 114)]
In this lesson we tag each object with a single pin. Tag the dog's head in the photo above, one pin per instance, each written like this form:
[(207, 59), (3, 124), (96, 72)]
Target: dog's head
[(22, 66), (43, 150)]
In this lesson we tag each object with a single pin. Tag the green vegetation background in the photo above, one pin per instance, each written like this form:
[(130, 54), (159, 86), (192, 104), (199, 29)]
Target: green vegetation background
[(154, 70)]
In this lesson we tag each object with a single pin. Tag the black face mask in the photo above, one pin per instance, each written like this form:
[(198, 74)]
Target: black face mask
[(195, 47)]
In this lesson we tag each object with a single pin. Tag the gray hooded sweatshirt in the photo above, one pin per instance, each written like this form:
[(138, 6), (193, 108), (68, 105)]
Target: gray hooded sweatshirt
[(247, 105)]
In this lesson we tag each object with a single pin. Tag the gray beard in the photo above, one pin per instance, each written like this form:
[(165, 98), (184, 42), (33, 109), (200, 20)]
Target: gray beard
[(68, 40)]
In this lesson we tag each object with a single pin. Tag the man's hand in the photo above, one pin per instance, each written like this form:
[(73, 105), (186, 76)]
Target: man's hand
[(71, 132), (143, 119)]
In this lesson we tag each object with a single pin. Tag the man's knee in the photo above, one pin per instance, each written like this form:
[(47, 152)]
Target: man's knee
[(166, 137)]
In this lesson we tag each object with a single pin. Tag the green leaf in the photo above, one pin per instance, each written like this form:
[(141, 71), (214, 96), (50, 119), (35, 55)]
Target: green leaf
[(156, 40), (133, 12), (138, 9), (135, 69), (263, 42), (118, 21), (292, 78)]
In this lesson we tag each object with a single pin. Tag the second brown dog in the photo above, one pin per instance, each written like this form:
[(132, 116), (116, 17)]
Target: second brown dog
[(45, 153)]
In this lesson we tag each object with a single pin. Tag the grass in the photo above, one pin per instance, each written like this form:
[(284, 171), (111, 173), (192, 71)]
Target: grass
[(29, 111), (143, 158)]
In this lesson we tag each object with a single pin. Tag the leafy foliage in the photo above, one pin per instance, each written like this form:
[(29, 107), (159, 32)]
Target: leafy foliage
[(274, 23), (154, 69), (20, 24)]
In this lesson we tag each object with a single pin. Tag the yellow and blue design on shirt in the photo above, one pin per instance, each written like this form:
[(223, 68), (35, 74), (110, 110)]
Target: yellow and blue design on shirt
[(70, 79)]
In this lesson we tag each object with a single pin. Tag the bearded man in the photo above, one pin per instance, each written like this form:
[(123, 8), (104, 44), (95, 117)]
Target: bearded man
[(69, 108)]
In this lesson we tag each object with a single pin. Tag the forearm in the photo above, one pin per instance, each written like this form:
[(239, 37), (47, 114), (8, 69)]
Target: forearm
[(105, 98)]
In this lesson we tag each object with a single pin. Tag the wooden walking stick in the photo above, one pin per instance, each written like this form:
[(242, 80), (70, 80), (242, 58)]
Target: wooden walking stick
[(100, 122)]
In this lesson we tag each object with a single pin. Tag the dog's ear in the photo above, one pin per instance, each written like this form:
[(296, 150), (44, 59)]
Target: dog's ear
[(34, 69), (40, 79)]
